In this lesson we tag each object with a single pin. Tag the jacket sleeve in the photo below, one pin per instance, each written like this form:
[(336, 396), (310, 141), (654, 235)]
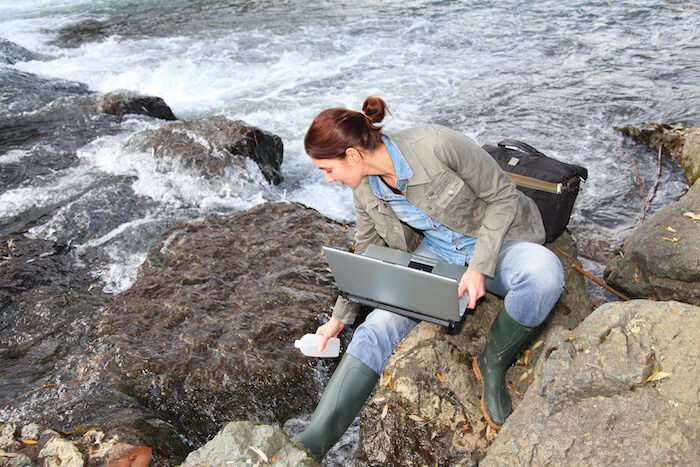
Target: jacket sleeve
[(492, 188)]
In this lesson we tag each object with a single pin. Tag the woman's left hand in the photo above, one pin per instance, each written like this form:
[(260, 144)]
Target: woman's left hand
[(473, 283)]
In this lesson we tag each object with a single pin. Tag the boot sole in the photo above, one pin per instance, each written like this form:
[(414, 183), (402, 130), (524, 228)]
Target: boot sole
[(477, 372)]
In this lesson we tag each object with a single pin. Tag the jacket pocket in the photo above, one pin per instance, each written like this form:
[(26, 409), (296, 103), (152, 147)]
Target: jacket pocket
[(446, 188)]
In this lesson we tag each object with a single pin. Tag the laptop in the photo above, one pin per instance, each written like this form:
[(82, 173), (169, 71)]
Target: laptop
[(394, 280)]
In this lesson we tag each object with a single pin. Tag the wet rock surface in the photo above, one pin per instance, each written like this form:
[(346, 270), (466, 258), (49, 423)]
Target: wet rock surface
[(212, 145), (661, 259), (246, 443), (206, 333), (621, 389), (46, 304), (426, 409)]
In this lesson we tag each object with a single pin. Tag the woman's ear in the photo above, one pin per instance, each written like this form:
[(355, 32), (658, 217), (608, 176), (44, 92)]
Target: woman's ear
[(353, 156)]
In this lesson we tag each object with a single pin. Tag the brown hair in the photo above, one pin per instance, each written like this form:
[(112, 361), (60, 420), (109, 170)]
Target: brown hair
[(335, 130)]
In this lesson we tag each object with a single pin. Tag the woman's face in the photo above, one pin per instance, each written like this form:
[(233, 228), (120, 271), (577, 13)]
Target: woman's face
[(344, 171)]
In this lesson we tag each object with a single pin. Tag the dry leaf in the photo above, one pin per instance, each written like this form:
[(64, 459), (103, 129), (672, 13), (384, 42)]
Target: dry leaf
[(657, 376), (29, 441), (416, 418), (692, 215), (670, 229), (537, 345), (440, 378), (672, 240), (526, 374), (260, 454), (514, 390), (385, 410), (124, 455)]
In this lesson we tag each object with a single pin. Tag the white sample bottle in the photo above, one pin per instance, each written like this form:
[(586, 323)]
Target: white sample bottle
[(309, 343)]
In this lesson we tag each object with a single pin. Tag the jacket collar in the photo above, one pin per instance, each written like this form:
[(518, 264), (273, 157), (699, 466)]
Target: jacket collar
[(406, 143)]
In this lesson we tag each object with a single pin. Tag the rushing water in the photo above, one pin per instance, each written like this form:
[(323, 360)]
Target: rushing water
[(558, 75)]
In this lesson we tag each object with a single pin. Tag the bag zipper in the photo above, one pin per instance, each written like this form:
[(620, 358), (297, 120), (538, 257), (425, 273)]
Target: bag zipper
[(535, 184)]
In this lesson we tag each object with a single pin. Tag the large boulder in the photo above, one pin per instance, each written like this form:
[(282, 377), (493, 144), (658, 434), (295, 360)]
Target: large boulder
[(426, 408), (621, 389), (211, 145), (205, 335), (690, 157), (661, 259), (247, 443)]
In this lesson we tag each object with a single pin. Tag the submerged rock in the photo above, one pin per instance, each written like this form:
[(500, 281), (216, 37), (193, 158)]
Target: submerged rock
[(620, 389), (11, 53), (661, 259), (246, 443), (426, 409), (212, 144), (205, 335)]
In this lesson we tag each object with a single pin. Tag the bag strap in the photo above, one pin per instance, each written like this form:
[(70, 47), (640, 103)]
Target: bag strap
[(522, 146)]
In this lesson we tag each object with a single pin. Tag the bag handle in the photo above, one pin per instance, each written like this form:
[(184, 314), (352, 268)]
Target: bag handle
[(522, 146)]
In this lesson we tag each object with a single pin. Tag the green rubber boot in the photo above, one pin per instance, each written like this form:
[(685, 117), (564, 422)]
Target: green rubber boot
[(505, 339), (346, 392)]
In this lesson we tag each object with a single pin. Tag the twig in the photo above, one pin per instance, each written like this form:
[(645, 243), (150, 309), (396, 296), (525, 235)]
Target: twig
[(599, 282), (652, 192)]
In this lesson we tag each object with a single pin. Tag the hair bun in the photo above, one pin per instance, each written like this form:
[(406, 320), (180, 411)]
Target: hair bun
[(374, 108)]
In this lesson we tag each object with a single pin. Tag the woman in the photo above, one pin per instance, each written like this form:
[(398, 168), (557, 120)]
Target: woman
[(435, 192)]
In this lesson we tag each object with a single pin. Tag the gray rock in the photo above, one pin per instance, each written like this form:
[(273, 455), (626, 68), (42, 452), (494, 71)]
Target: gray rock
[(14, 460), (7, 435), (690, 157), (60, 452), (205, 335), (592, 402), (247, 443), (212, 144), (31, 431), (426, 409), (655, 267)]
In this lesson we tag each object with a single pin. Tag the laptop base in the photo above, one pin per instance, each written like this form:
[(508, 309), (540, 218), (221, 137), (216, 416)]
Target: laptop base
[(453, 327)]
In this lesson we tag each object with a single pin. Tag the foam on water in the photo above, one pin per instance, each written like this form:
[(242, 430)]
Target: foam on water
[(52, 191), (164, 181)]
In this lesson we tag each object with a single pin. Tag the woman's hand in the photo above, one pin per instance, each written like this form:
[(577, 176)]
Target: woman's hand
[(331, 329), (473, 283)]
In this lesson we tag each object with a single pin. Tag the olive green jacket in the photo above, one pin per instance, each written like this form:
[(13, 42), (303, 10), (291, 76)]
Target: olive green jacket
[(456, 183)]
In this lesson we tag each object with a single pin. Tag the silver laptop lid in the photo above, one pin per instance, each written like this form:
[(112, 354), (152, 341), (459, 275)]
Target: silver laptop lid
[(383, 276)]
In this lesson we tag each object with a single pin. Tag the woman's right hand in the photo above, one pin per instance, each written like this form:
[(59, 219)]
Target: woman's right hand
[(331, 329)]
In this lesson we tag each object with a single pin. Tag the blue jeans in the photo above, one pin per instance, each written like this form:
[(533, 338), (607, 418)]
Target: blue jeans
[(528, 276)]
